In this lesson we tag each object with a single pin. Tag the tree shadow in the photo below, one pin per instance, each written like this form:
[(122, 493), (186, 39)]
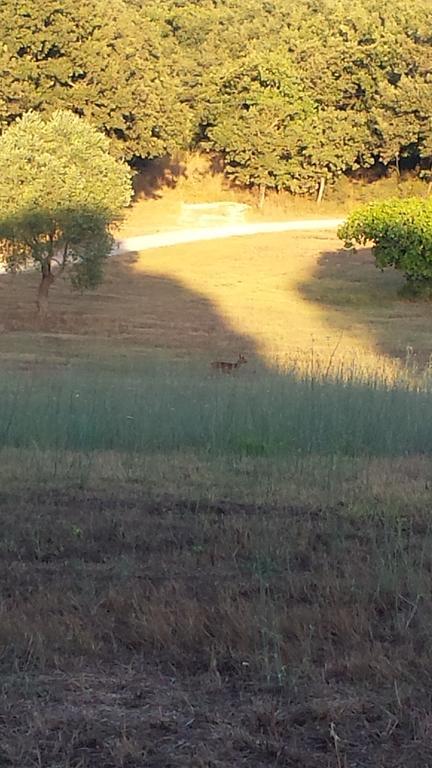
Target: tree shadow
[(356, 297), (136, 320), (217, 164), (154, 175), (132, 312)]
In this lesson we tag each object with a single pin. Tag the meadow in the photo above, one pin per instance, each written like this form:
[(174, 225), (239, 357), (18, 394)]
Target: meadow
[(205, 570)]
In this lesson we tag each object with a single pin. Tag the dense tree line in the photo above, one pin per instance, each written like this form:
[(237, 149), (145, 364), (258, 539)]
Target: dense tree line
[(292, 93)]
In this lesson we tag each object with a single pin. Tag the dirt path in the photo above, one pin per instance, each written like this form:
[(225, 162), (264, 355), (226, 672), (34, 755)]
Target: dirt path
[(176, 237), (194, 235)]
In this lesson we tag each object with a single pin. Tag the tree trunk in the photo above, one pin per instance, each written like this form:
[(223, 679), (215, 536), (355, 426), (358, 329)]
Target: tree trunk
[(397, 163), (262, 194), (321, 190), (44, 286)]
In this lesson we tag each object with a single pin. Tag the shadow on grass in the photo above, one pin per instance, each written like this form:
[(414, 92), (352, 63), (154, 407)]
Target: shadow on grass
[(356, 296), (127, 368), (131, 313)]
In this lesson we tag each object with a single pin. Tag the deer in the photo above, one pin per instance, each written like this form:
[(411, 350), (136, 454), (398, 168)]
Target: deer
[(223, 367)]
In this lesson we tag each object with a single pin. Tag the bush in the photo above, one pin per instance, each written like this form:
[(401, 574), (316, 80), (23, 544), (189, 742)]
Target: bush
[(401, 234)]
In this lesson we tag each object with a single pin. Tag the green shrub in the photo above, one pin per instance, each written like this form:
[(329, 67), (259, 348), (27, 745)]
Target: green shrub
[(401, 234)]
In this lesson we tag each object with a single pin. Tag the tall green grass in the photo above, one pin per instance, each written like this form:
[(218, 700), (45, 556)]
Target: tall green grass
[(167, 407)]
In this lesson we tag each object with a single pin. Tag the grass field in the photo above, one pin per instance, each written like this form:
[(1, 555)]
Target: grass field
[(211, 571), (275, 298)]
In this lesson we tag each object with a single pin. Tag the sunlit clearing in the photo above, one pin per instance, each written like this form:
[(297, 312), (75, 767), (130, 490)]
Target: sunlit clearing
[(255, 285)]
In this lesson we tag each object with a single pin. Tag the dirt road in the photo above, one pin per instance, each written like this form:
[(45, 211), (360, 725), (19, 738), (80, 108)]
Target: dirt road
[(175, 237), (178, 236)]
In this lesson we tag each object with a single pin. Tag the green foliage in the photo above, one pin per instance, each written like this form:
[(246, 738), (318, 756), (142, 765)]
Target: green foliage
[(257, 119), (60, 162), (77, 237), (99, 60), (61, 191), (401, 233), (288, 91), (360, 84)]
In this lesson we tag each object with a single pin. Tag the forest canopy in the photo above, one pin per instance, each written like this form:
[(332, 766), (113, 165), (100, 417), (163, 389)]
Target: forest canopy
[(288, 92)]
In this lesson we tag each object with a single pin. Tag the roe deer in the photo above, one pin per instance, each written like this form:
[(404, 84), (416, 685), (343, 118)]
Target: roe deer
[(228, 367)]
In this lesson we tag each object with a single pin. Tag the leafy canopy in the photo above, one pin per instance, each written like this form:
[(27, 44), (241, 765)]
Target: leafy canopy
[(364, 64), (401, 234), (334, 85), (98, 59), (61, 191), (257, 120)]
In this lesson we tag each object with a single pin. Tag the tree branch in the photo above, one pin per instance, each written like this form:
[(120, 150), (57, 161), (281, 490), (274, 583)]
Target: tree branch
[(64, 259)]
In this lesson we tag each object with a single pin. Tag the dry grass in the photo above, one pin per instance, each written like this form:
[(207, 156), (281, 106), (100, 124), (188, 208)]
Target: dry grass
[(278, 481), (139, 630), (296, 296), (163, 187), (270, 297), (187, 611)]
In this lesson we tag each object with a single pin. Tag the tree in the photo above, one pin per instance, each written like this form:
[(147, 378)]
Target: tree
[(257, 120), (368, 63), (292, 92), (401, 234), (98, 59), (333, 143), (363, 64), (60, 194)]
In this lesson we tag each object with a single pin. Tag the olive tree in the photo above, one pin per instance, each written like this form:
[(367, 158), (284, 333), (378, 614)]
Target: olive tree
[(60, 195)]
